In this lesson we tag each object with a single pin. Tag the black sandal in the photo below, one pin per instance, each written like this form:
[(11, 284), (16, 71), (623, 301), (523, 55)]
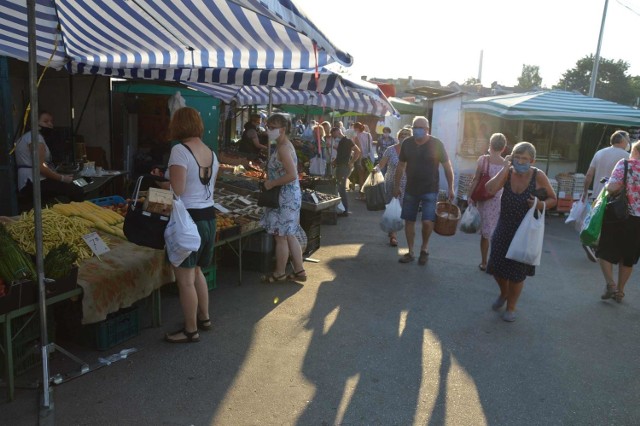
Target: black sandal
[(205, 324), (190, 337), (298, 276), (272, 278)]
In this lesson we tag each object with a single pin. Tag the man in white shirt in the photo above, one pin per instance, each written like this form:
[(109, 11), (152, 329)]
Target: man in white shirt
[(601, 166)]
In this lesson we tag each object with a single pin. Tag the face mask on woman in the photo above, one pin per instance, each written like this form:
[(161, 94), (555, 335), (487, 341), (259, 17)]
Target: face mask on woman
[(273, 134), (521, 167)]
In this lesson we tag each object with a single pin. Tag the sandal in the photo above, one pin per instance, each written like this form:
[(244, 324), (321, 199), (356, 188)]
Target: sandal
[(205, 324), (422, 260), (272, 278), (190, 337), (618, 296), (393, 242), (610, 291), (482, 267), (298, 276), (407, 258)]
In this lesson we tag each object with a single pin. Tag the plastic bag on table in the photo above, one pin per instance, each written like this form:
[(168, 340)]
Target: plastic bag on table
[(526, 246), (391, 220), (374, 178), (470, 222), (181, 235)]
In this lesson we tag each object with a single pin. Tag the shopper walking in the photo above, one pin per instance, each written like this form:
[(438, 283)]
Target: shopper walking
[(283, 222), (192, 172), (419, 157), (620, 241), (520, 182), (489, 209), (601, 166), (347, 154)]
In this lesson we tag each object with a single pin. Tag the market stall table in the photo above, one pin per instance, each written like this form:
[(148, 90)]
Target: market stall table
[(97, 183)]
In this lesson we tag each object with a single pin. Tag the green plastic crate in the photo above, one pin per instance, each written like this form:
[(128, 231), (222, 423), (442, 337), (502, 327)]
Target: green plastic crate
[(117, 328), (26, 344)]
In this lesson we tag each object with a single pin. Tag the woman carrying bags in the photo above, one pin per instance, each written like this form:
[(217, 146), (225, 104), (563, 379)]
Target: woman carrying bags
[(520, 182), (489, 165)]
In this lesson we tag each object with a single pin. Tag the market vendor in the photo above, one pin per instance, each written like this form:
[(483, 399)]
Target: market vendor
[(254, 141), (52, 184)]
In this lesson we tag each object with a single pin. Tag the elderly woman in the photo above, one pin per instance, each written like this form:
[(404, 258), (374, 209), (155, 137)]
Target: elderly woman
[(520, 182), (364, 142), (390, 160), (489, 209), (283, 222), (192, 172), (620, 241)]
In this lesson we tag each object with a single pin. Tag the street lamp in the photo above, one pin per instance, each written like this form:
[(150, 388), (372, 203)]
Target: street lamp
[(596, 60)]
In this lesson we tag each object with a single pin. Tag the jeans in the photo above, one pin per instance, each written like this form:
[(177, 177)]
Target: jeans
[(342, 173)]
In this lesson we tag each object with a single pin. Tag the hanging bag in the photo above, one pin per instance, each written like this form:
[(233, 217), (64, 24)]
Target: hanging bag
[(269, 197), (470, 222), (590, 234), (480, 192), (181, 235), (617, 209), (526, 246), (391, 220), (142, 227)]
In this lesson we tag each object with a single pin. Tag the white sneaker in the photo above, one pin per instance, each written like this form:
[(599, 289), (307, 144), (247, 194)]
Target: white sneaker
[(591, 255)]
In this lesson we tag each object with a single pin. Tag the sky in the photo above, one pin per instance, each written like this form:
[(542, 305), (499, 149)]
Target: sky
[(442, 40)]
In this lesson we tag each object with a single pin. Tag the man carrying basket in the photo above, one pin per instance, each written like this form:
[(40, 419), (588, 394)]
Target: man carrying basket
[(420, 156)]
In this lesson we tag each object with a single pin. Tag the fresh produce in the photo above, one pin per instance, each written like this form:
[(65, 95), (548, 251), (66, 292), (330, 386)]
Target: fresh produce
[(94, 216), (14, 263), (56, 228), (59, 262), (224, 222), (307, 198)]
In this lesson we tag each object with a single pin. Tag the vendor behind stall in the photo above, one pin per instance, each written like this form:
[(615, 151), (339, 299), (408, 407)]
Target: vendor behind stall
[(253, 141), (52, 184)]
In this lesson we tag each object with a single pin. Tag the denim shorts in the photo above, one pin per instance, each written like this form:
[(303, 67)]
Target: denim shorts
[(411, 203)]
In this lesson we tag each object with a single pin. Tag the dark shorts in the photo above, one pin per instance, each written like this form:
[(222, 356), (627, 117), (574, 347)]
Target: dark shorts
[(620, 242), (204, 256), (411, 203)]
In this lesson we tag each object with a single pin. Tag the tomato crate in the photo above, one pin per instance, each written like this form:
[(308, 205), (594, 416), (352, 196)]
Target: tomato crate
[(114, 200), (117, 328)]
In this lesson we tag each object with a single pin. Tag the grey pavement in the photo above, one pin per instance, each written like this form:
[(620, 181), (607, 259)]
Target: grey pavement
[(369, 341)]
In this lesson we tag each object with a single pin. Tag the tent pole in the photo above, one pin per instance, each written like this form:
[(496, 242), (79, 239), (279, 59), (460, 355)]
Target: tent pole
[(270, 107), (553, 131), (37, 207)]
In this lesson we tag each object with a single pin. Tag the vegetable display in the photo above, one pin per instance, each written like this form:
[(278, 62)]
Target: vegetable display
[(94, 216), (14, 263), (59, 262)]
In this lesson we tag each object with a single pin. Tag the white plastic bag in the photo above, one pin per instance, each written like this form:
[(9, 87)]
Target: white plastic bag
[(374, 178), (470, 222), (577, 209), (526, 246), (580, 222), (181, 235), (317, 166), (340, 208), (391, 220)]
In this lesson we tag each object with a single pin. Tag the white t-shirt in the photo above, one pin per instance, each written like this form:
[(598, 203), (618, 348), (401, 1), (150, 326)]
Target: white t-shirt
[(196, 195), (24, 160), (604, 161)]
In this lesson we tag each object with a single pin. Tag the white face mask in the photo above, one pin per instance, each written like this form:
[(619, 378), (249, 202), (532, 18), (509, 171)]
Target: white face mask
[(273, 134)]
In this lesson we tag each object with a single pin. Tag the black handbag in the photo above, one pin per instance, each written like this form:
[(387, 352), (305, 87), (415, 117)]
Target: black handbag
[(617, 209), (269, 197), (141, 227), (375, 195)]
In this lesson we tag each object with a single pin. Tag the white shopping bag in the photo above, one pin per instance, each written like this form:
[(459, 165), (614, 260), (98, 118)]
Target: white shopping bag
[(471, 221), (526, 246), (181, 235), (577, 208), (317, 166), (391, 220)]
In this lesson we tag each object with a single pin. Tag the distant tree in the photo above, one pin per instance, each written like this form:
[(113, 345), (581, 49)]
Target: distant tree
[(530, 77), (613, 83), (634, 82), (471, 81)]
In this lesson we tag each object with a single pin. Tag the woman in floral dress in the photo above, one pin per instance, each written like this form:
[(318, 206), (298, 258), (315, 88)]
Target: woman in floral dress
[(489, 209), (283, 222), (390, 159)]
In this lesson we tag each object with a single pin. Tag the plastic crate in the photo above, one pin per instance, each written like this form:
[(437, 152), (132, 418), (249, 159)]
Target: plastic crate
[(210, 275), (109, 201), (26, 344), (117, 328), (309, 218), (329, 217), (313, 244), (261, 242)]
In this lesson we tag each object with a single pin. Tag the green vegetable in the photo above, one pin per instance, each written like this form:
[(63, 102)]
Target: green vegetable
[(59, 261), (14, 263)]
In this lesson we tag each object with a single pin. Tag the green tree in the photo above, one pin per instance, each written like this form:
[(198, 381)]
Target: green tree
[(530, 77), (634, 82), (613, 83), (471, 81)]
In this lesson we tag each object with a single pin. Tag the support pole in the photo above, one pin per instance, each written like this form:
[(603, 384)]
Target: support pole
[(596, 59)]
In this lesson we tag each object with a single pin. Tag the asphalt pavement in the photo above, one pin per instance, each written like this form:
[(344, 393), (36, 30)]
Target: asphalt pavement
[(369, 341)]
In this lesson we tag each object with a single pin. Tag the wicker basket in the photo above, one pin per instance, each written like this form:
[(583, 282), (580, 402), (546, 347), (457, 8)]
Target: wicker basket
[(447, 218)]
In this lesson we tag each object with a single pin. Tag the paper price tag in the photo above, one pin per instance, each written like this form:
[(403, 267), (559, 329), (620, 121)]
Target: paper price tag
[(315, 198), (245, 201), (95, 243), (220, 208)]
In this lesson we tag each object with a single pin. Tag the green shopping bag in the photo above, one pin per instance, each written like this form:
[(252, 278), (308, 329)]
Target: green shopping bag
[(590, 233)]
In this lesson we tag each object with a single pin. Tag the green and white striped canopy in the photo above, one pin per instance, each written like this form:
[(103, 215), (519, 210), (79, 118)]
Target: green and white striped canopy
[(555, 105)]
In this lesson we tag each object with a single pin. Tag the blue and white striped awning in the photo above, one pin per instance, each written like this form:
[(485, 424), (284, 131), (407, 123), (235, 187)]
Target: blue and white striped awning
[(168, 34), (555, 105)]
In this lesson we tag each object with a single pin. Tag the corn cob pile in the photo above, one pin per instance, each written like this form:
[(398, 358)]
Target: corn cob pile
[(94, 216)]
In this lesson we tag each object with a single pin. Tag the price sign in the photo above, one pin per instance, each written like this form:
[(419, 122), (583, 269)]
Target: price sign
[(220, 208), (95, 243), (245, 201)]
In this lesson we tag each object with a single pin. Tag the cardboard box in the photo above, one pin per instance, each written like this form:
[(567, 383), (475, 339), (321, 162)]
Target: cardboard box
[(159, 201)]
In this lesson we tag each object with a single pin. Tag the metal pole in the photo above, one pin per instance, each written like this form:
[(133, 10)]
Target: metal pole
[(596, 59), (37, 207), (269, 115)]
